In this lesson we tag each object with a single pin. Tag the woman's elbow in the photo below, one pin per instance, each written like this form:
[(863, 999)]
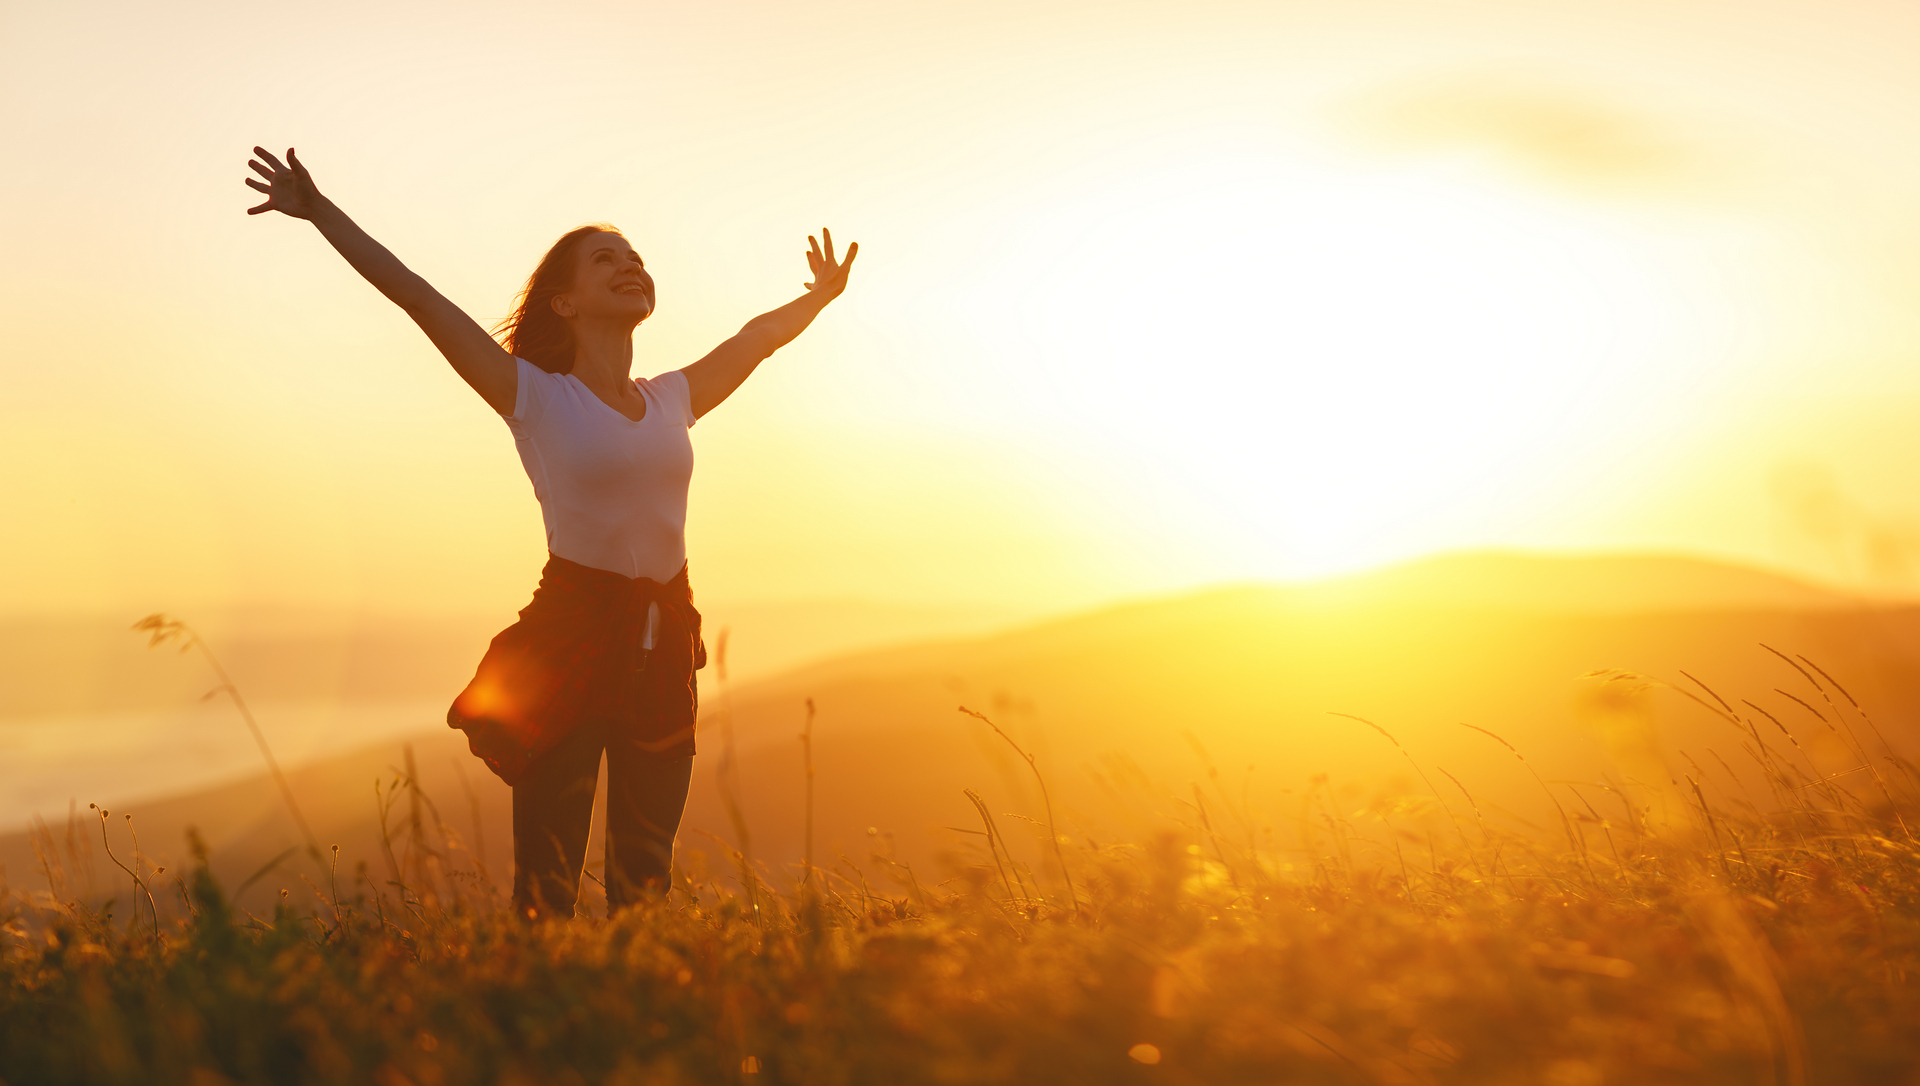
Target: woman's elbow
[(758, 339)]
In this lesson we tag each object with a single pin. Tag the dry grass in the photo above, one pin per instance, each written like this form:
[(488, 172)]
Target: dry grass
[(1692, 933)]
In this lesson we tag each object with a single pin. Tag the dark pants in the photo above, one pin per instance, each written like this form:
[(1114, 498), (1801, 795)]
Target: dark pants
[(553, 808)]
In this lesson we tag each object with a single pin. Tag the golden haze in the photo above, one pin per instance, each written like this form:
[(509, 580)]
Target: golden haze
[(1152, 299)]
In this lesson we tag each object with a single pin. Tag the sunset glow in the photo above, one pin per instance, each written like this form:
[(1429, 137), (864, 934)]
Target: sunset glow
[(1348, 362), (1250, 295), (1320, 541)]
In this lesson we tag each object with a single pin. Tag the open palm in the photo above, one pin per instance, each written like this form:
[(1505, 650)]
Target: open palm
[(290, 189), (829, 275)]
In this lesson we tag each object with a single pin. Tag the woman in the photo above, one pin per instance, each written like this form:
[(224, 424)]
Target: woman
[(603, 659)]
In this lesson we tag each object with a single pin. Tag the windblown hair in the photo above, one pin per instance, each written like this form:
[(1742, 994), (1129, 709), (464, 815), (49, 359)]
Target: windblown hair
[(533, 331)]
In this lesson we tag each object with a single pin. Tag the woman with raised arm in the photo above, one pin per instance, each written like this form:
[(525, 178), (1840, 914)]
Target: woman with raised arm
[(603, 658)]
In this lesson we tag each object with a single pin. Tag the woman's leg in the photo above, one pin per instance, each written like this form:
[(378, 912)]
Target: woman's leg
[(646, 794), (552, 811)]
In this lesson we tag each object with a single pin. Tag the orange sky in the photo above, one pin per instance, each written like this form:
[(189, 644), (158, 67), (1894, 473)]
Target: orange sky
[(1150, 295)]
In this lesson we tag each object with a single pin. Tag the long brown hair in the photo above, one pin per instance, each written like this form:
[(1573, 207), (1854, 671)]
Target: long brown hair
[(533, 331)]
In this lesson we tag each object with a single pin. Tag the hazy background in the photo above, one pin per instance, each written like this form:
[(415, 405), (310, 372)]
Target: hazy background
[(1151, 298)]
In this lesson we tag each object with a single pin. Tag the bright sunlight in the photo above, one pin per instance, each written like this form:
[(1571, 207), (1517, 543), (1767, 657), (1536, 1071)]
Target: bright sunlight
[(1349, 362)]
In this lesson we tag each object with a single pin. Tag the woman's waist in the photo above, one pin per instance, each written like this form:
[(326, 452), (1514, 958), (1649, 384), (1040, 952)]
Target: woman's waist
[(571, 579), (594, 610), (633, 549)]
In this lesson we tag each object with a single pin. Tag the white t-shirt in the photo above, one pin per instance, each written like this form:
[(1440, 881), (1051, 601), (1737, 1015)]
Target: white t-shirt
[(613, 492)]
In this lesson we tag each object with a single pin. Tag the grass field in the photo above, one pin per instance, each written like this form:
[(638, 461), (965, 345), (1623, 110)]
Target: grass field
[(1761, 929)]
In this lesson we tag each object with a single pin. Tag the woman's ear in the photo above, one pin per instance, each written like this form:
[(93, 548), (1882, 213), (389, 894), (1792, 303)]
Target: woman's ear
[(562, 305)]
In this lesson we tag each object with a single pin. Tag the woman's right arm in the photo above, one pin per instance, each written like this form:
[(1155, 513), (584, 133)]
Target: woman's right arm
[(475, 356)]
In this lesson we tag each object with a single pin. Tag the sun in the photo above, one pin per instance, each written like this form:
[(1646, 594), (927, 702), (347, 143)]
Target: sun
[(1336, 364)]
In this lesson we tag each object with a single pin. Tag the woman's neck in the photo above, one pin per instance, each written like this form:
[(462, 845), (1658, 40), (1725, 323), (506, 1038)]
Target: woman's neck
[(603, 355)]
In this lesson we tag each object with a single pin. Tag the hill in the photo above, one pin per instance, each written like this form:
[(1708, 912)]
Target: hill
[(1128, 707), (1572, 584)]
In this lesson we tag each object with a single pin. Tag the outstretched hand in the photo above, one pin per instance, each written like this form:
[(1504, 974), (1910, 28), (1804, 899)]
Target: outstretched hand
[(829, 275), (290, 189)]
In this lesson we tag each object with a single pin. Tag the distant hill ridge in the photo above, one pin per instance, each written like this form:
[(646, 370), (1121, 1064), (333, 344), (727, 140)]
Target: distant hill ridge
[(1251, 671), (93, 664), (1514, 583), (1587, 584)]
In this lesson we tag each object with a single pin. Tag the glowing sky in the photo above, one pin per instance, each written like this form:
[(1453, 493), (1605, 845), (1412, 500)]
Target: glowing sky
[(1149, 296)]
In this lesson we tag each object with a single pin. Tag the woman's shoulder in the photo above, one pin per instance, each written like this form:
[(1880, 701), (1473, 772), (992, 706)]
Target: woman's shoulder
[(537, 388), (529, 371), (671, 390)]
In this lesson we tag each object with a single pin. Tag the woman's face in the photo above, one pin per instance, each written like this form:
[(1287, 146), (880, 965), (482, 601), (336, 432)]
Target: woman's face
[(609, 282)]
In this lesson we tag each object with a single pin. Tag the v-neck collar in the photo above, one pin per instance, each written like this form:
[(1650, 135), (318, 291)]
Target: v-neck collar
[(645, 407)]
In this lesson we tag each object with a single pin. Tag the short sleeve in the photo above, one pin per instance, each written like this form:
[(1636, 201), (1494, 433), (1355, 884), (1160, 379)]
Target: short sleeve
[(533, 389), (672, 389)]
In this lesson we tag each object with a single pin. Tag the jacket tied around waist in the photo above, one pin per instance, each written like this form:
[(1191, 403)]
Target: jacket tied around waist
[(577, 651)]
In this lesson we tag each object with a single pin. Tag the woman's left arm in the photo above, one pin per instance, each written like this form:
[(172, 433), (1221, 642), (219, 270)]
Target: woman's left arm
[(713, 378)]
